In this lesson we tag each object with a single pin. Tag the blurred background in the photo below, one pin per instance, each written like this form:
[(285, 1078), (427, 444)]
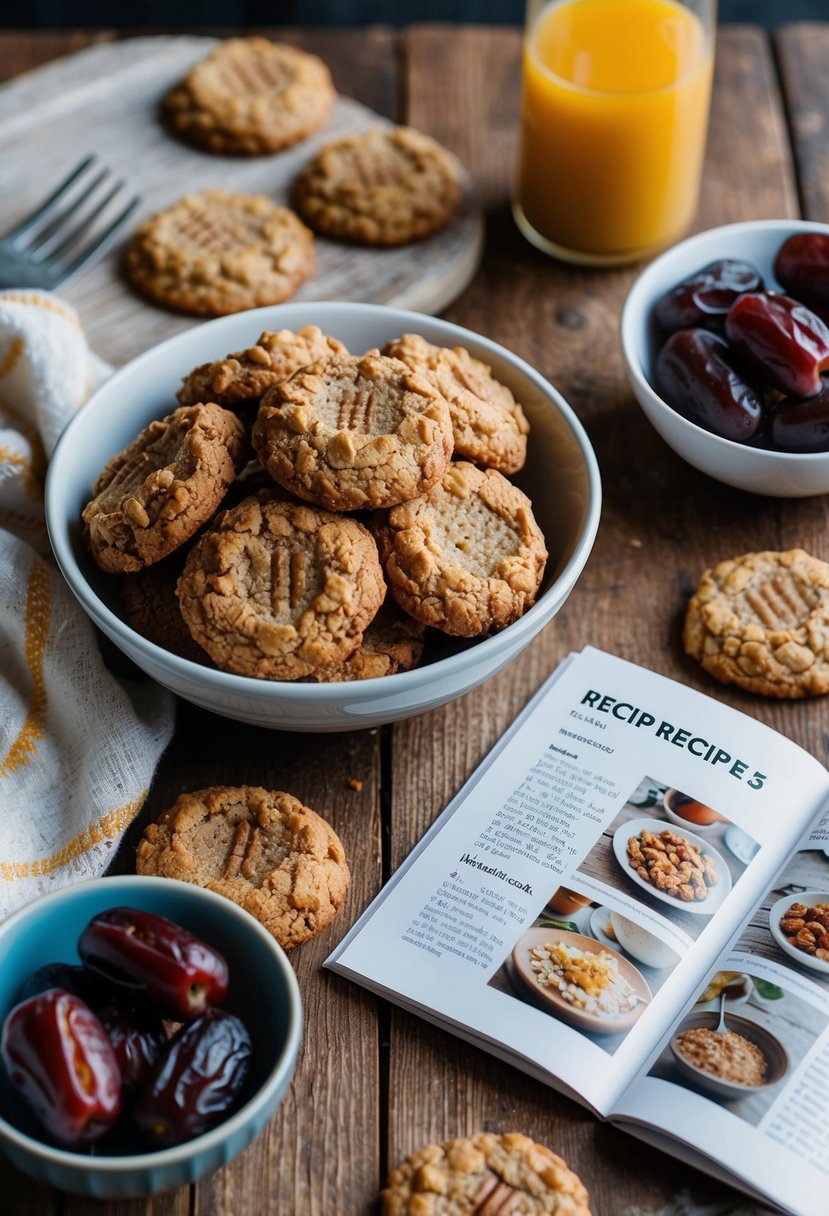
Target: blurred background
[(63, 14)]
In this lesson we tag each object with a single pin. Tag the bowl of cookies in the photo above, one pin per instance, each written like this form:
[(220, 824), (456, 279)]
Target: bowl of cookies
[(323, 516), (725, 341)]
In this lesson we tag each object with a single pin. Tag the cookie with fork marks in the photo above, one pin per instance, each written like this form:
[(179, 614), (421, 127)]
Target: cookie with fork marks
[(761, 621), (358, 432), (217, 252), (263, 849), (278, 589), (484, 1175), (251, 96)]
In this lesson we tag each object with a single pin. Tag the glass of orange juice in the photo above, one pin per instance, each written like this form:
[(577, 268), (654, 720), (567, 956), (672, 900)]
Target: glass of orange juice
[(614, 116)]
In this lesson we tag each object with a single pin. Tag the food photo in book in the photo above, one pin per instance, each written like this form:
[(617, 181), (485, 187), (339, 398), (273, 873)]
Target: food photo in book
[(587, 965), (670, 854)]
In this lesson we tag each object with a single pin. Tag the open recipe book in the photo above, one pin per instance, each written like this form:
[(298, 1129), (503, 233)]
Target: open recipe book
[(632, 860)]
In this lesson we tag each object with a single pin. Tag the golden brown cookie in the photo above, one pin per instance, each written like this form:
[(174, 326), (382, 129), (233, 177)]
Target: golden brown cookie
[(392, 642), (215, 253), (158, 492), (761, 621), (362, 431), (263, 849), (485, 1175), (467, 557), (251, 96), (244, 376), (488, 425), (277, 590), (379, 188), (151, 608)]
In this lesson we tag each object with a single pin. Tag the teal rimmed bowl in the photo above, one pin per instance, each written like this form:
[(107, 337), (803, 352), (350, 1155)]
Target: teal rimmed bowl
[(263, 992)]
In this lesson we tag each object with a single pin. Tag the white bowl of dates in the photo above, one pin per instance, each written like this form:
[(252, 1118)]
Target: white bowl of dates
[(560, 477), (726, 342), (148, 1030)]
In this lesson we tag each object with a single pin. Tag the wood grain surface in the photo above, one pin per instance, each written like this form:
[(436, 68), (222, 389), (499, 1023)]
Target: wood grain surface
[(373, 1083)]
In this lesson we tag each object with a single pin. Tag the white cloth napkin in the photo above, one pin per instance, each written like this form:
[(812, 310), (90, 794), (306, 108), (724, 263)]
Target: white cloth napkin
[(78, 748)]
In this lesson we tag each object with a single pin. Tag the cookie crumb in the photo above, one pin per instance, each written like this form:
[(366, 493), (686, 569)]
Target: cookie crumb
[(353, 784)]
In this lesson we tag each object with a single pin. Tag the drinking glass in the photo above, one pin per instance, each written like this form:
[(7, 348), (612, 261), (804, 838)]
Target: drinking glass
[(614, 115)]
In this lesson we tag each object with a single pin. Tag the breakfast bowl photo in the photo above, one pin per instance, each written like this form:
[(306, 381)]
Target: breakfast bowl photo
[(560, 477), (754, 1061), (753, 465), (262, 991)]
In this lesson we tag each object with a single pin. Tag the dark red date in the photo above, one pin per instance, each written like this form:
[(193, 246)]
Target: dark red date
[(696, 375), (137, 1039), (802, 267), (178, 972), (797, 425), (196, 1081), (58, 1057), (781, 339), (703, 299)]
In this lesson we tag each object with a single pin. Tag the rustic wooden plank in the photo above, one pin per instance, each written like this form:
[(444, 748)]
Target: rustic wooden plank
[(801, 51), (748, 171), (21, 51), (663, 522)]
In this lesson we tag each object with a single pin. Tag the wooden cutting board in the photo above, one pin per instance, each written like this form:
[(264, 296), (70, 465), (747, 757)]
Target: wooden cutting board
[(105, 100)]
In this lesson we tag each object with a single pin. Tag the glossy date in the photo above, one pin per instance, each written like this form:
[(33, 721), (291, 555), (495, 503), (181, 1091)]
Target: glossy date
[(802, 268), (696, 375), (137, 1038), (58, 1057), (147, 953), (703, 299), (783, 341), (196, 1081), (797, 425)]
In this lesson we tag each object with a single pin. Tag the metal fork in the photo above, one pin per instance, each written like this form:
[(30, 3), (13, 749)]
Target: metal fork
[(68, 229)]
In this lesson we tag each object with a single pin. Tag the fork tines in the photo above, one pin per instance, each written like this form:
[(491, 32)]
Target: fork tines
[(76, 221)]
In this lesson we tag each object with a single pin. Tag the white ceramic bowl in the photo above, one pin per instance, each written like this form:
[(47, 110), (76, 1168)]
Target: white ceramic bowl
[(561, 477), (641, 944), (782, 474)]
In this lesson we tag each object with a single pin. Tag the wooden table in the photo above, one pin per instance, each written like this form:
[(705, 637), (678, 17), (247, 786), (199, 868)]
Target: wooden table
[(373, 1083)]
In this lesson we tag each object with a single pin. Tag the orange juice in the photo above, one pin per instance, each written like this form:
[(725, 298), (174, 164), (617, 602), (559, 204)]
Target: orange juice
[(614, 116)]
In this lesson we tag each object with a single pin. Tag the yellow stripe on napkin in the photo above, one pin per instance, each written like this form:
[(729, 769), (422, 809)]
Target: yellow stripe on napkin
[(107, 828), (38, 612)]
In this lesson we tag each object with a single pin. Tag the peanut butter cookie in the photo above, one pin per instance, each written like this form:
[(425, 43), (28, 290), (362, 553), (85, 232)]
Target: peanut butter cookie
[(262, 849), (488, 425), (761, 621), (355, 432), (251, 96), (379, 188), (392, 642), (243, 377), (278, 590), (215, 253), (468, 556), (158, 492), (485, 1175)]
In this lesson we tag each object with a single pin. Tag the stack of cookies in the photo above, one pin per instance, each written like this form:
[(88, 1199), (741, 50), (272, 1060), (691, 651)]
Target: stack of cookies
[(217, 251), (377, 505)]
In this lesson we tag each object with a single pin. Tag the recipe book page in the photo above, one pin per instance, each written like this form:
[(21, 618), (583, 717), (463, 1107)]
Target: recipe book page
[(570, 900), (763, 1089)]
